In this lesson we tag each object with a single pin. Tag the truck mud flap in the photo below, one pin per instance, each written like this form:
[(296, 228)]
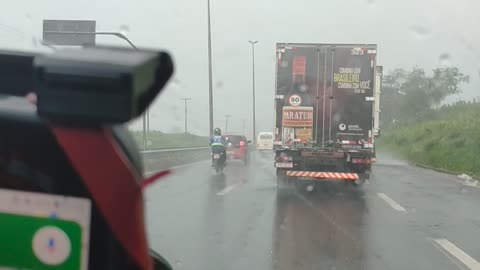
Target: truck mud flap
[(325, 175)]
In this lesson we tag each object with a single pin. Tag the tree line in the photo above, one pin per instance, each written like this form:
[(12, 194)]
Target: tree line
[(409, 94)]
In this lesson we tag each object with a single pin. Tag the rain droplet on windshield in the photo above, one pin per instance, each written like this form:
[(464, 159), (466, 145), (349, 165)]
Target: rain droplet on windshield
[(175, 82), (371, 3), (177, 114), (28, 17), (178, 263), (421, 32), (337, 117), (467, 43), (444, 59), (34, 42), (309, 188), (124, 29)]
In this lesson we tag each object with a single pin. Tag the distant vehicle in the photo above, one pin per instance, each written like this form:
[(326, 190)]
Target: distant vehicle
[(324, 108), (237, 147), (265, 141)]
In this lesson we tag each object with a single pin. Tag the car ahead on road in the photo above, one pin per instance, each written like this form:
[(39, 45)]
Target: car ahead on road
[(237, 147)]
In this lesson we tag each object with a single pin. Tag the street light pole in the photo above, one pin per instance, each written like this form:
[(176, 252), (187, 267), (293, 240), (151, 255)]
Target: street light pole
[(210, 90), (226, 122), (253, 88), (185, 100), (148, 121), (117, 34)]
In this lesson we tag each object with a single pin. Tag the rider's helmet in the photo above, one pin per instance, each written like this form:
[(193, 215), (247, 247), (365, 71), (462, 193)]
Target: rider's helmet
[(217, 132)]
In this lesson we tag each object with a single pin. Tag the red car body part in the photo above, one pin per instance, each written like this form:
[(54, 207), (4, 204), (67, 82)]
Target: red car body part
[(154, 178), (113, 184)]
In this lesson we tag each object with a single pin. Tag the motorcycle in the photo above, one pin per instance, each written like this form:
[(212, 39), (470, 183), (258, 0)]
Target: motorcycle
[(218, 162)]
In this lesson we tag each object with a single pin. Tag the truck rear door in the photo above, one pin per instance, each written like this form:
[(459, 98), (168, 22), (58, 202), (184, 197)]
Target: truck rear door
[(297, 83), (352, 97), (324, 92)]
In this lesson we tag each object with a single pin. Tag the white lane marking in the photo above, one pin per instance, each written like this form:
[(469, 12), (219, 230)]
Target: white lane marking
[(391, 202), (458, 253), (227, 189)]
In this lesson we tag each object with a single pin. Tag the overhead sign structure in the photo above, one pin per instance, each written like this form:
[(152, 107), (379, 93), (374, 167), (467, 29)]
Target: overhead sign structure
[(69, 32)]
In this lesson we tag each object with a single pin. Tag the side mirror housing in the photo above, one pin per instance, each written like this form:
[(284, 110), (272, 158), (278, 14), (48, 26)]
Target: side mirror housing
[(123, 83)]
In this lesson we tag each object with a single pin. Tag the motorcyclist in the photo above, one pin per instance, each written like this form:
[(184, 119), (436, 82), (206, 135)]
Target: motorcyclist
[(218, 144)]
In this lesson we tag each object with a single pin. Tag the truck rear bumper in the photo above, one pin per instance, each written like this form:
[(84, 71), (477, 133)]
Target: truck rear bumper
[(325, 175)]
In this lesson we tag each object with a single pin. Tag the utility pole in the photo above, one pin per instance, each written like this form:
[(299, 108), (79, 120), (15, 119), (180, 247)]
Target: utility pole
[(210, 90), (148, 121), (185, 100), (253, 88), (226, 122)]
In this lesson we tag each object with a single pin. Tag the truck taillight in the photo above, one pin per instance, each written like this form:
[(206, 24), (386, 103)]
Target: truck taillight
[(361, 161), (283, 158)]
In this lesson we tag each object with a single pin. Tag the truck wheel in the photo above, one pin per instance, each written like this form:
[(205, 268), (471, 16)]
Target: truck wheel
[(305, 186), (358, 182), (348, 183)]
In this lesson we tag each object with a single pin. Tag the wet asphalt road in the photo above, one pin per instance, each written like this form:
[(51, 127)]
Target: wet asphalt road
[(404, 218)]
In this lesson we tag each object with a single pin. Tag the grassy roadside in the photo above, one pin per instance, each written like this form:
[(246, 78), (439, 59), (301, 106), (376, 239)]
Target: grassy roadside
[(447, 138), (161, 140)]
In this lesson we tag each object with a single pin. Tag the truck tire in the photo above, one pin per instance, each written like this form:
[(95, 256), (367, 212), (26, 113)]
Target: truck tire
[(305, 186), (359, 182)]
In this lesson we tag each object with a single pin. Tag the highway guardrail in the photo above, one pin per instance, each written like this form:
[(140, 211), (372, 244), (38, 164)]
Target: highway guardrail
[(155, 160)]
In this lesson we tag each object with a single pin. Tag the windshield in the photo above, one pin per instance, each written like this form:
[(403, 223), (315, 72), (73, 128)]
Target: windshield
[(373, 108), (266, 137)]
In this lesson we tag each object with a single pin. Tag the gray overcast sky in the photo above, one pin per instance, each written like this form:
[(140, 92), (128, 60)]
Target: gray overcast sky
[(408, 33)]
